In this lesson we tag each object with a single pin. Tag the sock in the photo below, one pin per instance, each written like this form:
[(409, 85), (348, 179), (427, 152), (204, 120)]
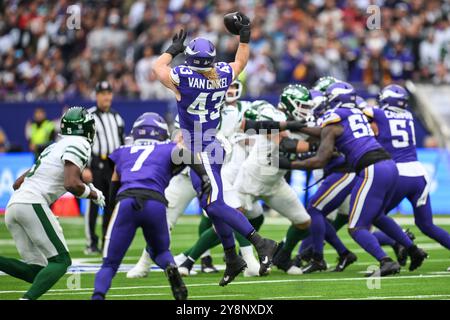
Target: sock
[(207, 240), (317, 229), (293, 236), (340, 221), (164, 259), (230, 254), (189, 263), (19, 269), (205, 224), (48, 276), (393, 230), (305, 245), (369, 243), (383, 238), (332, 238), (247, 250)]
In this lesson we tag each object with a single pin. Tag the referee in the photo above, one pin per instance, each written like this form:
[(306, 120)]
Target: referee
[(110, 135)]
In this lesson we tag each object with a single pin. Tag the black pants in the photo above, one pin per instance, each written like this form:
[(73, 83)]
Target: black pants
[(102, 171)]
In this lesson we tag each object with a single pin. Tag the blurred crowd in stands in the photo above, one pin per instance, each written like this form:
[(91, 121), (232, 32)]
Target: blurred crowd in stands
[(44, 54)]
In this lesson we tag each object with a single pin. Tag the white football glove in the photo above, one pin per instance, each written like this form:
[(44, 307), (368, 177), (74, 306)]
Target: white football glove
[(100, 201)]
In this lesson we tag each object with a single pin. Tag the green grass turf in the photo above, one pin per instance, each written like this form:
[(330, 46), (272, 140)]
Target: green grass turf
[(431, 281)]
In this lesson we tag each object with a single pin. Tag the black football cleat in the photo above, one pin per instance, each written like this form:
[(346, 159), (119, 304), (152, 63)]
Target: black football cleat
[(387, 267), (282, 260), (207, 265), (401, 253), (314, 266), (417, 257), (344, 261), (179, 289), (266, 252), (232, 269)]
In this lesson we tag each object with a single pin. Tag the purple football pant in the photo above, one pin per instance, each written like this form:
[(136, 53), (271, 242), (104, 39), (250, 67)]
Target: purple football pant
[(223, 217), (331, 194), (370, 196), (125, 221), (416, 191)]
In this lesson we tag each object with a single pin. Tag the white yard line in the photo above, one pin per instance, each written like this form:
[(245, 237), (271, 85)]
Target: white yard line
[(256, 282), (423, 296)]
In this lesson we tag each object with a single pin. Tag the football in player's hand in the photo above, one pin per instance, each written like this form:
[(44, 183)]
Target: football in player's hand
[(229, 21)]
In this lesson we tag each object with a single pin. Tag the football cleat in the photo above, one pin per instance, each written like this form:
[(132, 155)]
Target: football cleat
[(401, 253), (233, 268), (207, 265), (387, 267), (92, 250), (252, 269), (179, 259), (282, 260), (142, 268), (265, 253), (177, 285), (417, 257), (294, 271), (185, 269), (344, 261), (314, 266)]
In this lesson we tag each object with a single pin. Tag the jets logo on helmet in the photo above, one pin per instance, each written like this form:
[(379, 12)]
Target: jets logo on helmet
[(200, 54), (323, 83), (234, 92), (150, 126), (341, 94), (393, 96), (77, 121), (296, 102)]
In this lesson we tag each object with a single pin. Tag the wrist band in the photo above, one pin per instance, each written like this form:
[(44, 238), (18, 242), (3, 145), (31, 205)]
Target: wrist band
[(86, 193)]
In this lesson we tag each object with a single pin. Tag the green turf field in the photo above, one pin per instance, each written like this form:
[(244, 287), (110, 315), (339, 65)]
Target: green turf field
[(431, 281)]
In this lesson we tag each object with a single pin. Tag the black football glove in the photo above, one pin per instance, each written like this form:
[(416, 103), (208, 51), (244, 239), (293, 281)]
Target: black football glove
[(243, 25), (177, 45)]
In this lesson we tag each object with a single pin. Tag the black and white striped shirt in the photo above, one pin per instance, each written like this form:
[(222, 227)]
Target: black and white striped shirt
[(110, 132)]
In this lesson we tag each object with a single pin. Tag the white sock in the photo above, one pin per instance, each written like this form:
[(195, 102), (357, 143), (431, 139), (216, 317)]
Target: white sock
[(247, 251)]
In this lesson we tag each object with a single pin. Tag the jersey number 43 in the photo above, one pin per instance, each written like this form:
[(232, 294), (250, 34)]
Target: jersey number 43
[(198, 106)]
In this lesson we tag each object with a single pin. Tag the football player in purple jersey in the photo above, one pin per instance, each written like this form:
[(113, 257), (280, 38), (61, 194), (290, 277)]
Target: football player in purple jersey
[(346, 128), (393, 125), (142, 172), (200, 86)]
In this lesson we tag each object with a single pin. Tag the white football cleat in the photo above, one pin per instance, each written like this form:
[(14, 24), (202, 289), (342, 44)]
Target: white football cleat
[(179, 259), (294, 270), (252, 269), (184, 272), (142, 268)]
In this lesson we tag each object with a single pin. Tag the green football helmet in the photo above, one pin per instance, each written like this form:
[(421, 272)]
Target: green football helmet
[(268, 112), (296, 102), (252, 112), (77, 121), (324, 82)]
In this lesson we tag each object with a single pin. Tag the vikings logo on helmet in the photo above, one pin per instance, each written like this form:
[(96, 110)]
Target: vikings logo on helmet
[(200, 54), (319, 103), (150, 125), (341, 94), (393, 96)]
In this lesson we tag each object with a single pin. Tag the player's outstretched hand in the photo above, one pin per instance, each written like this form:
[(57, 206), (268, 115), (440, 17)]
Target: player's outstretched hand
[(100, 200), (177, 45), (243, 25)]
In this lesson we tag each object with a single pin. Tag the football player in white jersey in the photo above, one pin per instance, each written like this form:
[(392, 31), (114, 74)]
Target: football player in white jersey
[(36, 231)]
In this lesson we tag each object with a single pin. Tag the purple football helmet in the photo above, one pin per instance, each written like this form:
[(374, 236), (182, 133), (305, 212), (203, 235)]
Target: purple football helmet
[(200, 54), (361, 103), (150, 125), (319, 101), (341, 94), (393, 95)]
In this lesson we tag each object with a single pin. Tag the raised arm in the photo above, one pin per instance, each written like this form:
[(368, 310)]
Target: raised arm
[(243, 51), (161, 67)]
